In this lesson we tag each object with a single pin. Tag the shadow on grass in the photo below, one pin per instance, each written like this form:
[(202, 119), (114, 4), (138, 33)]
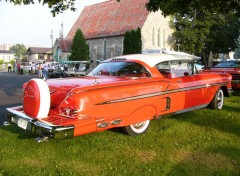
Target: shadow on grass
[(227, 123), (232, 109), (22, 134), (221, 160)]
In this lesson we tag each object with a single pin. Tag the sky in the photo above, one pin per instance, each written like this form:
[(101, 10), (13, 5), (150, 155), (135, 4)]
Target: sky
[(33, 24)]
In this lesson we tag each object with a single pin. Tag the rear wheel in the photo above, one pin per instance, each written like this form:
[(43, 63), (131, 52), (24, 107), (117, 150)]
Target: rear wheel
[(218, 99), (137, 128)]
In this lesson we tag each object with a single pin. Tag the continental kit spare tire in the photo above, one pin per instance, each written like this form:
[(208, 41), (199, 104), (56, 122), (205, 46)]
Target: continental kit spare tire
[(36, 98)]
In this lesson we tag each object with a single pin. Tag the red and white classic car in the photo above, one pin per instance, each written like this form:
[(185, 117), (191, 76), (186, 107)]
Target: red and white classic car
[(127, 91), (231, 67)]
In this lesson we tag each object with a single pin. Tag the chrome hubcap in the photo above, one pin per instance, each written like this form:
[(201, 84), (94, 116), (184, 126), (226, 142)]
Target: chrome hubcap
[(139, 125), (220, 99)]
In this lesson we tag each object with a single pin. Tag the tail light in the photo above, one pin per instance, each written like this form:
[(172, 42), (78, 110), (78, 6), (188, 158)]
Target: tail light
[(68, 111)]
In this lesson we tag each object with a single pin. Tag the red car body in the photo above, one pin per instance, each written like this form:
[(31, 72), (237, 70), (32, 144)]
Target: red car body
[(126, 91), (231, 67)]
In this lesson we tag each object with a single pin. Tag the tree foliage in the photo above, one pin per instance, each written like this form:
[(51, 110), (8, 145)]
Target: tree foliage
[(19, 49), (132, 43), (55, 6), (170, 7), (80, 48), (204, 31)]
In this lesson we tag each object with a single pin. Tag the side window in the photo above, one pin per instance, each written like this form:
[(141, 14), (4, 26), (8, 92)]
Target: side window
[(164, 68), (174, 69), (181, 68)]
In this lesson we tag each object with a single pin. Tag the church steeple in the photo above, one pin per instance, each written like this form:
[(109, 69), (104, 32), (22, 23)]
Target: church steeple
[(61, 31)]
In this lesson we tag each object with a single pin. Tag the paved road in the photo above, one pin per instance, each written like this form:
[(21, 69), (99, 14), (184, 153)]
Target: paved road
[(11, 91)]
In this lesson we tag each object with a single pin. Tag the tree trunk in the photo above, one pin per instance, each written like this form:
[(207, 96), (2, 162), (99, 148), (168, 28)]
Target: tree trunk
[(210, 59)]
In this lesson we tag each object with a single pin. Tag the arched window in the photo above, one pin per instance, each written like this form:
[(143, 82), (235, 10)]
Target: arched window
[(104, 49), (164, 39), (94, 53), (112, 50), (153, 36), (159, 37)]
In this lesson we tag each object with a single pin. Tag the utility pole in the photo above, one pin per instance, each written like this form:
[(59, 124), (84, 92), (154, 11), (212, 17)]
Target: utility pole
[(61, 31), (51, 36)]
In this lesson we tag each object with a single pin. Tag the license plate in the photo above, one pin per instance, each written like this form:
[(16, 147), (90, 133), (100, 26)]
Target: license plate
[(22, 123)]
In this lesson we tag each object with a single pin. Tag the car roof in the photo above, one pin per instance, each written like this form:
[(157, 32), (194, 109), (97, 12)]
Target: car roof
[(152, 59)]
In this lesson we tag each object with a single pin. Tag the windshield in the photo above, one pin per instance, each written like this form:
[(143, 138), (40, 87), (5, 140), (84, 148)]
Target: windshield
[(228, 64), (129, 69)]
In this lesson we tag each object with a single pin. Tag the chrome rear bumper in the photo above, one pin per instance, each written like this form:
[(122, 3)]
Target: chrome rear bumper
[(17, 116)]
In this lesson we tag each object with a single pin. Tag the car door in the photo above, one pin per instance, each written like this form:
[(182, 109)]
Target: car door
[(187, 90)]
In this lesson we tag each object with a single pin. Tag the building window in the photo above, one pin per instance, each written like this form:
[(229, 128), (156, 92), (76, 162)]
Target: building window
[(104, 49), (153, 36), (94, 56), (112, 51), (159, 37), (164, 39)]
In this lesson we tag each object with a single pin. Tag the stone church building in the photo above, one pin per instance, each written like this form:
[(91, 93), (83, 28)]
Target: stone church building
[(105, 23)]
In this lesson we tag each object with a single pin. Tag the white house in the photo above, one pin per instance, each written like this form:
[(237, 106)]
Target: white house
[(6, 55)]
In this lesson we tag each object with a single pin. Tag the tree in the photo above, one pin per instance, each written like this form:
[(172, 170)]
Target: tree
[(19, 50), (138, 41), (126, 42), (80, 48), (55, 6), (132, 43), (167, 6), (170, 7), (204, 31)]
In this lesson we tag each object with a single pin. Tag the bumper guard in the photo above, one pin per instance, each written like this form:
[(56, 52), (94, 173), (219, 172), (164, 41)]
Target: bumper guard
[(17, 116)]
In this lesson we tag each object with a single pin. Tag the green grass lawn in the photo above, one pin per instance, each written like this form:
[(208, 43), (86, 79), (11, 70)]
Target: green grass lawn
[(200, 143)]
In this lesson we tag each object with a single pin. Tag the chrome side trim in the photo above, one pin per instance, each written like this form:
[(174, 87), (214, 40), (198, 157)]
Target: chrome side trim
[(191, 109), (161, 93)]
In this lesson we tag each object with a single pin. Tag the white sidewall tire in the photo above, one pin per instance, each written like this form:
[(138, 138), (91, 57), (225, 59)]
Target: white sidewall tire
[(137, 128), (142, 129)]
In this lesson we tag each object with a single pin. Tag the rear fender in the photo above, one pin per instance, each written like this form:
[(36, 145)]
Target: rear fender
[(143, 113)]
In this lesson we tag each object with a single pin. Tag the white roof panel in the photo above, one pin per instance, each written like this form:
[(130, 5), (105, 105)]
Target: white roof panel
[(152, 59)]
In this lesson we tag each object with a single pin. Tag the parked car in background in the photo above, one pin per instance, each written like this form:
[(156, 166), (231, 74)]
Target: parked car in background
[(126, 91), (26, 67), (232, 67), (75, 68)]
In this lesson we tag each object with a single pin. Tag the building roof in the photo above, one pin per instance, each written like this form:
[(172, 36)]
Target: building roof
[(65, 45), (6, 52), (38, 50), (110, 18)]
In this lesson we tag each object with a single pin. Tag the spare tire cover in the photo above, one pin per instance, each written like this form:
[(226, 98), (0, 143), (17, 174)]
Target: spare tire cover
[(36, 99)]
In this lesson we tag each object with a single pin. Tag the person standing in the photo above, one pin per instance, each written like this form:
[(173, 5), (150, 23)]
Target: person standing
[(3, 67), (9, 67), (45, 70), (40, 70), (18, 69)]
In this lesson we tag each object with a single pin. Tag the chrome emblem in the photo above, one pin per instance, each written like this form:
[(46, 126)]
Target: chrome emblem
[(28, 92)]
